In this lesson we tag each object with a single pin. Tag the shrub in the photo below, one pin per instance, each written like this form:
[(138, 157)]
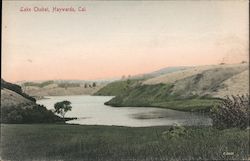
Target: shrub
[(174, 132), (28, 113), (232, 112), (14, 117)]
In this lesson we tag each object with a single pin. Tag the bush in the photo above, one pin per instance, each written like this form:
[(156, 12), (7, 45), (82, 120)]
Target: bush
[(174, 132), (232, 112), (28, 113)]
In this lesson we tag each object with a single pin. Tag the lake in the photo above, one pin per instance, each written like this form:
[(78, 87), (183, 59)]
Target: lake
[(90, 110)]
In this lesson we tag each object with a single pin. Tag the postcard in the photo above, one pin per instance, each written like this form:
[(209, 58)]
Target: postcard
[(125, 80)]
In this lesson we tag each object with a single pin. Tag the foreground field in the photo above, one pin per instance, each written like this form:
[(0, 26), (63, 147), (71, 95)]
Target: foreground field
[(75, 142)]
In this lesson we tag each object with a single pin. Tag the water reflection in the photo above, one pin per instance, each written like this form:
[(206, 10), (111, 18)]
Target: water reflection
[(90, 110)]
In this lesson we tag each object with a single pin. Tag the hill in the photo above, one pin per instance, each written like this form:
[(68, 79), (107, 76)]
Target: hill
[(120, 86), (18, 107), (117, 87), (159, 72), (181, 74), (15, 88), (236, 85), (160, 95), (61, 88), (209, 81), (193, 89)]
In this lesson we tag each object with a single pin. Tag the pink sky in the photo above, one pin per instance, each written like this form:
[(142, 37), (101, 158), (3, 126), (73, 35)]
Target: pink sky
[(112, 39)]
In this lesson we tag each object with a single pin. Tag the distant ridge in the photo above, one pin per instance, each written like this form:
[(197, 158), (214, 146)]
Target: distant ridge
[(159, 72)]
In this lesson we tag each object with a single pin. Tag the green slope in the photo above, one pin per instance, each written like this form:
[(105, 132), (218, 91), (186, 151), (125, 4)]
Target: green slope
[(160, 95), (117, 87), (121, 86)]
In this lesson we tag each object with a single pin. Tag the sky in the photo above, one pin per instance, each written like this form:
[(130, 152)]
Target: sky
[(110, 39)]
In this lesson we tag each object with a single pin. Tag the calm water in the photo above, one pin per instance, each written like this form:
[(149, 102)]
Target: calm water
[(90, 110)]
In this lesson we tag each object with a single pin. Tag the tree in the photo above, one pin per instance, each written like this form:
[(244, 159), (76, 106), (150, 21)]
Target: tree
[(62, 107), (94, 84)]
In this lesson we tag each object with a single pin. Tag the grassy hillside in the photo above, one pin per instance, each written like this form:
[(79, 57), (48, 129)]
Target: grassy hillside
[(236, 85), (159, 72), (187, 90), (15, 88), (178, 75), (110, 143), (207, 82), (117, 87), (61, 91), (18, 107), (161, 95), (53, 88), (121, 86), (167, 70), (40, 85)]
